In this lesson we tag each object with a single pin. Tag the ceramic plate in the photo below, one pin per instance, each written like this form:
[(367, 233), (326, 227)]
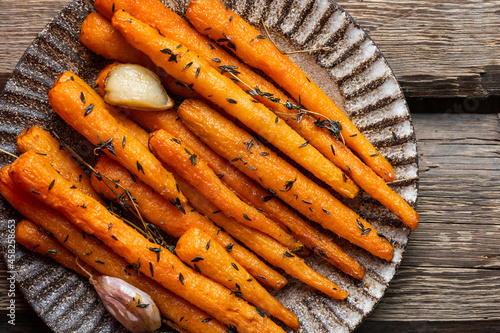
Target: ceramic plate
[(350, 68)]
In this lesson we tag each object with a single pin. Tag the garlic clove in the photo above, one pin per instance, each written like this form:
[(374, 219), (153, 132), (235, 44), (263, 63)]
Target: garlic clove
[(132, 307), (136, 87)]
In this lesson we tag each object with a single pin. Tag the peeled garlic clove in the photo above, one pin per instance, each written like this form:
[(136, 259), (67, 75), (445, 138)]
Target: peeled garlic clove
[(136, 87), (132, 307)]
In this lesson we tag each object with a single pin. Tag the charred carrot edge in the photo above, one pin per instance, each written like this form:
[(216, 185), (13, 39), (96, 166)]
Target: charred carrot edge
[(248, 189), (189, 68), (207, 256), (213, 18), (178, 156), (101, 258), (286, 181), (33, 173), (41, 141), (165, 216), (34, 239), (265, 246), (99, 36), (85, 113)]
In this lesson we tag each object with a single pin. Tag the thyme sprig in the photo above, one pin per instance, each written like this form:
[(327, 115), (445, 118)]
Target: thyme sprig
[(152, 235), (334, 127)]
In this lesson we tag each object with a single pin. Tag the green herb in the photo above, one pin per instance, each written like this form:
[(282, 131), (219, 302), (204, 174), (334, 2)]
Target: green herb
[(373, 155), (52, 184), (124, 141), (197, 73), (173, 56), (139, 167), (261, 37), (181, 278), (196, 259), (88, 109), (53, 251), (35, 192), (208, 245), (151, 269), (235, 267), (326, 212), (142, 305), (217, 60), (187, 66), (261, 312), (229, 247), (100, 262), (304, 144), (206, 320), (287, 254), (232, 101), (246, 217), (82, 97), (289, 184)]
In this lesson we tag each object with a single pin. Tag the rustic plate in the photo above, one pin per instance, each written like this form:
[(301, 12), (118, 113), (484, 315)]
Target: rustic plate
[(352, 71)]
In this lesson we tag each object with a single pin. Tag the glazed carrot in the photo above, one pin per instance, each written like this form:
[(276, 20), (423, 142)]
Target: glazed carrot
[(248, 189), (206, 255), (178, 156), (119, 115), (265, 246), (34, 175), (86, 114), (98, 35), (287, 182), (43, 143), (92, 252), (34, 239), (191, 69), (165, 216), (212, 17)]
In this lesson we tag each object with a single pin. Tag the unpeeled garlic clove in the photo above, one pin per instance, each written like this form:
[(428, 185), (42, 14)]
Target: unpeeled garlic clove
[(136, 87), (132, 307)]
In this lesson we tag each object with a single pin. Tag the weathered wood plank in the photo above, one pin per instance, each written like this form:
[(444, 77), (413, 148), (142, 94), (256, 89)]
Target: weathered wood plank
[(436, 48)]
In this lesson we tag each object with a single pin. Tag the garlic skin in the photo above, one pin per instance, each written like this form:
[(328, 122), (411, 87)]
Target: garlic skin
[(136, 87), (132, 307)]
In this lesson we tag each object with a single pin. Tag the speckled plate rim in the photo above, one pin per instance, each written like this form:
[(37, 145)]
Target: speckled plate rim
[(47, 272)]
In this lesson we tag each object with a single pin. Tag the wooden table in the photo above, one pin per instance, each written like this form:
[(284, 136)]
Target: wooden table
[(449, 280)]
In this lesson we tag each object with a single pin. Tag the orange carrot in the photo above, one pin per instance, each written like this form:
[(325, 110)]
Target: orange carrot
[(34, 239), (212, 17), (98, 35), (265, 246), (86, 114), (92, 252), (43, 143), (179, 156), (206, 255), (165, 216), (190, 69), (287, 182), (34, 175), (246, 188)]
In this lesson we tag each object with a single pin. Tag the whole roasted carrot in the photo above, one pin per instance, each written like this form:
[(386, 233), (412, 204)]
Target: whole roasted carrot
[(98, 35), (165, 216), (86, 114), (206, 255), (100, 257), (286, 181), (265, 246), (34, 175), (212, 17), (178, 156), (34, 239), (45, 144), (189, 68)]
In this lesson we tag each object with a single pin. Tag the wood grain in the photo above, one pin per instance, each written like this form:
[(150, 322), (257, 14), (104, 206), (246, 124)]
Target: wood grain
[(436, 48), (449, 279)]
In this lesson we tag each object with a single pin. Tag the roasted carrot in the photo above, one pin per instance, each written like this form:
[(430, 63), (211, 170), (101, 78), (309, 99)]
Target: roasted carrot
[(165, 216), (178, 156), (98, 35), (286, 181), (120, 116), (86, 114), (92, 252), (34, 175), (265, 246), (45, 144), (246, 188), (206, 255), (220, 23), (255, 194), (36, 240), (191, 69)]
